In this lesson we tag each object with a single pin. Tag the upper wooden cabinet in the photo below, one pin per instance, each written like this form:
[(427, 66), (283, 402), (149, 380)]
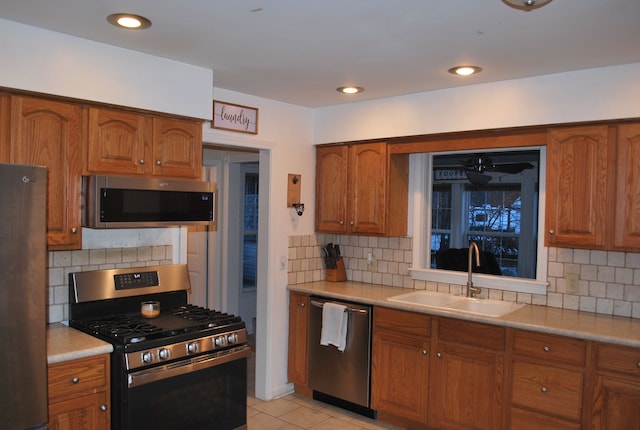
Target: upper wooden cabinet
[(48, 133), (627, 207), (129, 143), (578, 186), (357, 186)]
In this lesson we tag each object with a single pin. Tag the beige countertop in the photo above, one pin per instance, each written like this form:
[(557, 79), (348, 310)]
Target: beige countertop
[(584, 325), (66, 343)]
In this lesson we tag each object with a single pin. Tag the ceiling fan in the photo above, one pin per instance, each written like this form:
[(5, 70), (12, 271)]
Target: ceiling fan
[(477, 166)]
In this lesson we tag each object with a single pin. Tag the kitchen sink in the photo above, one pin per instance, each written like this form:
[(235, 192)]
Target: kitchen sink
[(491, 308), (425, 298)]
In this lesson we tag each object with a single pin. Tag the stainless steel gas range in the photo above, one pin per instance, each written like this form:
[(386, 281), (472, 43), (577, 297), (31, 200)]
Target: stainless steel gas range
[(174, 365)]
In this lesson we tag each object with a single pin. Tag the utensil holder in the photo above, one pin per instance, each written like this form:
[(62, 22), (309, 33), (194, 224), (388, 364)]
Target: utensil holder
[(338, 274)]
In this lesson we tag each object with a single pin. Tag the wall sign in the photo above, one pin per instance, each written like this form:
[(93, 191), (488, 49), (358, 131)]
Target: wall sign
[(229, 116)]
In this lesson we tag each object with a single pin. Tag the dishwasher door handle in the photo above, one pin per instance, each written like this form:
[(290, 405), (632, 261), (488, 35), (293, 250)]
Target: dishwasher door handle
[(318, 304)]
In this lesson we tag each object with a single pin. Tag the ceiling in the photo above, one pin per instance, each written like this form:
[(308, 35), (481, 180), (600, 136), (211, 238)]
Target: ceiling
[(300, 51)]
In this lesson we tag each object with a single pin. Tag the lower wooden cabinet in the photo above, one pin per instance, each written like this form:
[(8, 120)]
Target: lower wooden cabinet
[(298, 327), (616, 394), (400, 364), (466, 383), (79, 394)]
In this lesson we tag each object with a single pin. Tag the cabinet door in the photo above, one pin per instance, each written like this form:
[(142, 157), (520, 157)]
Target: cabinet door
[(298, 327), (400, 376), (465, 388), (89, 412), (5, 128), (578, 187), (331, 189), (47, 133), (627, 208), (116, 142), (177, 148), (616, 404), (367, 189)]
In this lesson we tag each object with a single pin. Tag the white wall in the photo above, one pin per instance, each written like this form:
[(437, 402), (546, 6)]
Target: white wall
[(53, 63), (595, 94)]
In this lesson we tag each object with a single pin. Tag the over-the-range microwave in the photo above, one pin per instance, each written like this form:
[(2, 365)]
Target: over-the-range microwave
[(129, 202)]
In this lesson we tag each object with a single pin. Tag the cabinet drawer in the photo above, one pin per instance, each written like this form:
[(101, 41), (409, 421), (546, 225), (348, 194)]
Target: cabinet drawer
[(548, 389), (527, 420), (620, 359), (471, 334), (550, 347), (397, 321), (77, 377)]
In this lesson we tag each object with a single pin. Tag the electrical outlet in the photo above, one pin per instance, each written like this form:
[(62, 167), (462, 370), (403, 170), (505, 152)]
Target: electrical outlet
[(372, 264), (572, 283)]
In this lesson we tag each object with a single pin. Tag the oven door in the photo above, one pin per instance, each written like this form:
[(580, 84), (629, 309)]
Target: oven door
[(205, 392)]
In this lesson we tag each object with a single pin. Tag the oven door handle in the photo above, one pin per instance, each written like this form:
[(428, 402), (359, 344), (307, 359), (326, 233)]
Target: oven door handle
[(182, 367)]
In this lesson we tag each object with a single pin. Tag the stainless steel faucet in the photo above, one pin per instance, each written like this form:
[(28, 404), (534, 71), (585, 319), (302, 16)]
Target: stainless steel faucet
[(471, 290)]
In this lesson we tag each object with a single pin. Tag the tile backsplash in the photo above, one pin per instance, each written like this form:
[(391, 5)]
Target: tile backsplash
[(608, 282), (61, 263)]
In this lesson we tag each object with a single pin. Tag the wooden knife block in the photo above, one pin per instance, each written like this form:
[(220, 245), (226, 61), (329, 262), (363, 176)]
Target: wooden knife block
[(339, 273)]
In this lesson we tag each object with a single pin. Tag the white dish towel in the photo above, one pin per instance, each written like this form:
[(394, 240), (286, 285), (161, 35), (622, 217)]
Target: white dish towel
[(334, 325)]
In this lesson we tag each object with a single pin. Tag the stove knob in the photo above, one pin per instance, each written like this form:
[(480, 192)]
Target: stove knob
[(220, 341), (164, 354), (192, 348), (147, 357), (232, 338)]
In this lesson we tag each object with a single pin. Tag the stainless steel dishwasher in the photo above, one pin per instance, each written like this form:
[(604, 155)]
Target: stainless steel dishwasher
[(342, 378)]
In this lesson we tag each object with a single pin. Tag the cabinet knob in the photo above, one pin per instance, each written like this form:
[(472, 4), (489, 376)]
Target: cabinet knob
[(103, 408), (141, 161), (75, 380), (546, 349), (439, 355), (351, 222), (424, 352), (638, 364), (74, 230), (302, 305), (552, 232), (544, 389), (158, 162), (341, 222)]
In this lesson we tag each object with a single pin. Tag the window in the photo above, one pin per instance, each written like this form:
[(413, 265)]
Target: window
[(493, 199), (250, 229)]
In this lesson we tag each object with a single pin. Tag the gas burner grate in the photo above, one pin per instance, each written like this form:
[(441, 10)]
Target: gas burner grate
[(126, 329), (207, 317)]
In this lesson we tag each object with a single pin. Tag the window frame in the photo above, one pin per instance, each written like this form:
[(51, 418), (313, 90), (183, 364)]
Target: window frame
[(420, 187)]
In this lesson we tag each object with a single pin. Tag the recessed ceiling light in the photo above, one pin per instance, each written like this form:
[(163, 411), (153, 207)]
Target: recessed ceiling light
[(350, 90), (129, 21), (525, 5), (465, 70)]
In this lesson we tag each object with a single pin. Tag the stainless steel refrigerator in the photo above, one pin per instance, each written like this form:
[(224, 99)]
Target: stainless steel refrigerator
[(23, 358)]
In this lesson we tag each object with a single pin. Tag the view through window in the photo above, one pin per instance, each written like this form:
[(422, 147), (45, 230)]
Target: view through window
[(490, 199)]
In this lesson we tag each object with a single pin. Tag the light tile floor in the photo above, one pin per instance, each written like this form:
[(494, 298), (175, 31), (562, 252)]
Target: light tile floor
[(295, 412)]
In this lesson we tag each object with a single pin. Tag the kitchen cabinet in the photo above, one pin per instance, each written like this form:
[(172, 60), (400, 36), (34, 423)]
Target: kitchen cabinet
[(356, 188), (131, 143), (400, 365), (79, 394), (616, 394), (547, 381), (49, 133), (298, 333), (579, 186), (466, 375), (627, 207)]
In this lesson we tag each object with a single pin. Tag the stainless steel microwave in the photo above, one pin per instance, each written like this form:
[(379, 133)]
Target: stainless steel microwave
[(129, 202)]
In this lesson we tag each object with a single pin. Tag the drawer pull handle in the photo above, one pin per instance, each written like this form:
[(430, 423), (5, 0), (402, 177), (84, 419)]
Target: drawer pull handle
[(103, 408), (546, 349), (75, 380), (543, 389)]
